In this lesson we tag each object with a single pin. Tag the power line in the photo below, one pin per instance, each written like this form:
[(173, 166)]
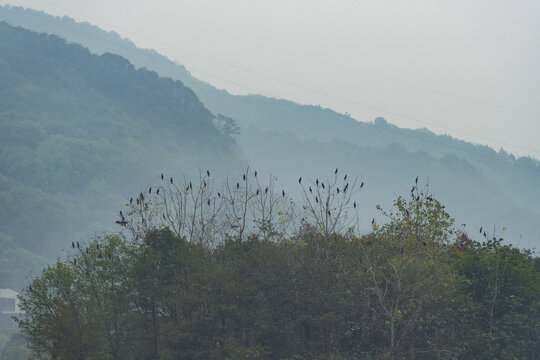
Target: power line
[(269, 77)]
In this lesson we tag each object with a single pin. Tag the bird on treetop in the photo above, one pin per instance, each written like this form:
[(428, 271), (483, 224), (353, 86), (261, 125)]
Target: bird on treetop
[(354, 204), (171, 180), (237, 186), (283, 193), (208, 173), (300, 180), (362, 185), (266, 190), (335, 172), (161, 176), (345, 177), (255, 173), (310, 190)]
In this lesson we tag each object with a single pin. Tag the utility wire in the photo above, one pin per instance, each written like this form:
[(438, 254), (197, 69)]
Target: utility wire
[(269, 77)]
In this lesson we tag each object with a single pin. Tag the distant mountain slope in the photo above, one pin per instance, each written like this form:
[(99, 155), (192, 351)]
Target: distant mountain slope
[(479, 185), (79, 133)]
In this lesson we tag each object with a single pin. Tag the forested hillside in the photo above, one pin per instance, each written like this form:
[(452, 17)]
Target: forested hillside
[(479, 186), (80, 132)]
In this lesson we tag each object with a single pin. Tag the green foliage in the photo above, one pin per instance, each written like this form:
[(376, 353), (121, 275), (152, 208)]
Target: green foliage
[(413, 288)]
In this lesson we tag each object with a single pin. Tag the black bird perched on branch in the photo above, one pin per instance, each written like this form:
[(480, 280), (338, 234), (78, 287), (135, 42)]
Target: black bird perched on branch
[(300, 180), (354, 205), (237, 186), (219, 194), (244, 177), (485, 235), (316, 199), (131, 201), (257, 192), (373, 221), (141, 196), (328, 211), (362, 185), (335, 172), (208, 202), (208, 173), (317, 182), (150, 190), (283, 193), (345, 177), (417, 198), (78, 246), (157, 192), (322, 184), (266, 190), (255, 173), (190, 186), (121, 222), (337, 189), (162, 176), (171, 180), (204, 183), (416, 181), (480, 229), (311, 191), (73, 245), (346, 187), (187, 188)]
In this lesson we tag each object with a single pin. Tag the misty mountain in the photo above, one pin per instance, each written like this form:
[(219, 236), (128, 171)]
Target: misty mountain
[(81, 133), (479, 185)]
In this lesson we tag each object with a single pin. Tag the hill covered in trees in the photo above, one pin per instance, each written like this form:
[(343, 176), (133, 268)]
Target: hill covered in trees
[(480, 186), (80, 132)]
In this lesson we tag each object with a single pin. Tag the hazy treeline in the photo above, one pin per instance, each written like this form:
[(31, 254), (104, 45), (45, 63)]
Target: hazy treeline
[(414, 287)]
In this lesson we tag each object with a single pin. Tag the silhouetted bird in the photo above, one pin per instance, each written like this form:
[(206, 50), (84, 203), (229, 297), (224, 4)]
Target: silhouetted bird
[(131, 201), (300, 180), (354, 205), (208, 173), (78, 246), (137, 201), (187, 188), (171, 180), (257, 192), (73, 244), (485, 235), (283, 193), (219, 194), (157, 192), (237, 186), (255, 173), (204, 183), (311, 191), (416, 181), (190, 186), (412, 190), (372, 221), (97, 247), (346, 187), (407, 213), (150, 190), (322, 184), (362, 185), (328, 212), (345, 177), (417, 198), (480, 229), (266, 190), (121, 222), (161, 176), (337, 189), (208, 201), (244, 177), (316, 199), (141, 196), (335, 172), (317, 182)]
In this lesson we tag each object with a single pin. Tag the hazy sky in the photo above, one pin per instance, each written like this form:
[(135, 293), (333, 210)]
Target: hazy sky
[(466, 68)]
